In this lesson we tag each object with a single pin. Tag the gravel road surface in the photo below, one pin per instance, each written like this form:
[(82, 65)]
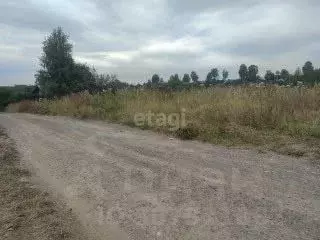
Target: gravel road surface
[(124, 183)]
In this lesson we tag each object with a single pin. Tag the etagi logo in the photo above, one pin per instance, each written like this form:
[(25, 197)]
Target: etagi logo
[(173, 121)]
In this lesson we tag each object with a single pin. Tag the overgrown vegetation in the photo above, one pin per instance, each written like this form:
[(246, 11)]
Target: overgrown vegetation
[(229, 115), (17, 93)]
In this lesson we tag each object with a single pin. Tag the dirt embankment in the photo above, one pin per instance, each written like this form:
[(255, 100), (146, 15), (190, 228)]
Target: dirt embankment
[(26, 212)]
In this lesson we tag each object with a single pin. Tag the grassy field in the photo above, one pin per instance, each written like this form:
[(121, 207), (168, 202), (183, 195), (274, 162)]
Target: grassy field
[(277, 118)]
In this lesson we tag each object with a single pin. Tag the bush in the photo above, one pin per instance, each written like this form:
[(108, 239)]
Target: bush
[(187, 133)]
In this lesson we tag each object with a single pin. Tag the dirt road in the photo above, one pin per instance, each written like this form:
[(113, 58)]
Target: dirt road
[(124, 183), (27, 210)]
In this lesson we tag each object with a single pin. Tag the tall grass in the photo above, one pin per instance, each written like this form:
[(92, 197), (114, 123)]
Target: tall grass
[(233, 114)]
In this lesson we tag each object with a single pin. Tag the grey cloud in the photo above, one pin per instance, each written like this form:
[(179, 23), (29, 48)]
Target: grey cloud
[(191, 6), (24, 15), (136, 38), (270, 48)]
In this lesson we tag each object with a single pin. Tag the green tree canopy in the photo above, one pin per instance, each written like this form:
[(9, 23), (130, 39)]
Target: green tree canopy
[(194, 77), (186, 78), (5, 95), (155, 79), (225, 74), (252, 73), (269, 77), (307, 68), (285, 75), (212, 77), (243, 73), (174, 81), (59, 74), (308, 72), (56, 61)]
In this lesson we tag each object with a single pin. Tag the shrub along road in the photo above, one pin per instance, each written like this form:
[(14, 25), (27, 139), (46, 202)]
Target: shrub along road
[(127, 183)]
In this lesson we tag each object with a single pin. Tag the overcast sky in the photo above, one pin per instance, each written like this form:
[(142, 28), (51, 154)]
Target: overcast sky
[(136, 38)]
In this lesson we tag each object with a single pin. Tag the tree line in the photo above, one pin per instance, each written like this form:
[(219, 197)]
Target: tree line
[(60, 75), (17, 93), (308, 75)]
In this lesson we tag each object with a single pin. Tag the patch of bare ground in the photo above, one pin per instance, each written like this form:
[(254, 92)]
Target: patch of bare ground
[(26, 212)]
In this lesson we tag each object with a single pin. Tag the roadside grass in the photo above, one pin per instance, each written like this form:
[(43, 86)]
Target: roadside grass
[(271, 116), (25, 211)]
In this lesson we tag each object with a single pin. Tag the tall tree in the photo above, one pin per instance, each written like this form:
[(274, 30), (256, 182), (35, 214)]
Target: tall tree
[(308, 72), (212, 76), (174, 81), (307, 68), (155, 79), (269, 77), (284, 74), (225, 74), (252, 73), (194, 77), (243, 73), (215, 74), (55, 77), (186, 78)]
